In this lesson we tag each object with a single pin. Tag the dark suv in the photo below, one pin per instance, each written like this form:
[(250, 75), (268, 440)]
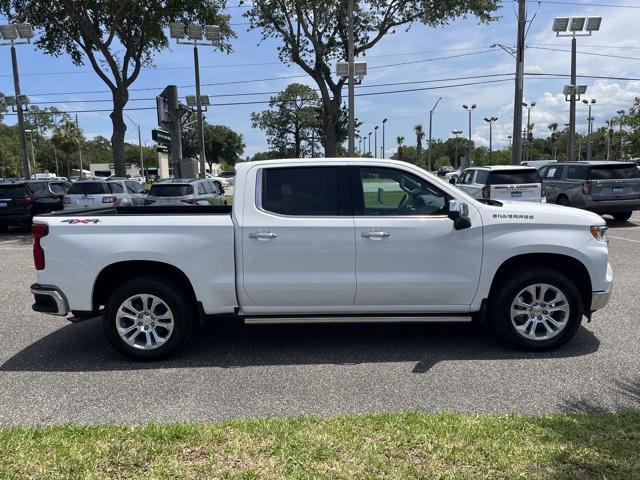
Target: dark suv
[(21, 200), (601, 187)]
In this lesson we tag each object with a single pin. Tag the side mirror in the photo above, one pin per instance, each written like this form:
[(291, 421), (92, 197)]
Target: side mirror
[(459, 213)]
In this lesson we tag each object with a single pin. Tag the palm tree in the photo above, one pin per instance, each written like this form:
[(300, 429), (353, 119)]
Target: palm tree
[(400, 141), (553, 127), (67, 138), (419, 137)]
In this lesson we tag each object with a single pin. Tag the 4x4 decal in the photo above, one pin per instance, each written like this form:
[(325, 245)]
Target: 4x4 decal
[(81, 221)]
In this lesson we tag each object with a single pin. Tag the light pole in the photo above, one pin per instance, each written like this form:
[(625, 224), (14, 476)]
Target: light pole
[(430, 121), (369, 150), (456, 160), (589, 127), (360, 145), (383, 150), (528, 106), (137, 125), (490, 121), (195, 34), (510, 137), (11, 32), (574, 25), (33, 150), (469, 109), (375, 140), (621, 114)]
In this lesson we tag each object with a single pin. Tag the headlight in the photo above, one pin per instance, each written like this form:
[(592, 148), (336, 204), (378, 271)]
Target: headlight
[(599, 232)]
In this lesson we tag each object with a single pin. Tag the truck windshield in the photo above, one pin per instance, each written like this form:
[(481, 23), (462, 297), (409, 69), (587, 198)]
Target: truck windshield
[(170, 190), (510, 177), (89, 188), (610, 172), (13, 191)]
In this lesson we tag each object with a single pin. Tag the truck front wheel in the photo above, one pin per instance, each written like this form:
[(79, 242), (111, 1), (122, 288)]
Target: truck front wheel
[(147, 318), (538, 309)]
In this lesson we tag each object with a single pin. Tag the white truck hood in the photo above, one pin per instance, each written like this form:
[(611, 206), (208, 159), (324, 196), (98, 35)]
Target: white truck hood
[(537, 213)]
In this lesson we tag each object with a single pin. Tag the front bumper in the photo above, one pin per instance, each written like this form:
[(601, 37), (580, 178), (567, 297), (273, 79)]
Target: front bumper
[(599, 300), (49, 299)]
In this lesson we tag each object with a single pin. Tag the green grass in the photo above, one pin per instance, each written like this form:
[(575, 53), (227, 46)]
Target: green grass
[(394, 446)]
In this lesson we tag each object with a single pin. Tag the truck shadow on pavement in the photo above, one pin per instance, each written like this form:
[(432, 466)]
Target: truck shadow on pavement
[(81, 347)]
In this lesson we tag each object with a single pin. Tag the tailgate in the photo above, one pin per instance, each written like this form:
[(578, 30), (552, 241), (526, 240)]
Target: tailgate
[(615, 182), (524, 193)]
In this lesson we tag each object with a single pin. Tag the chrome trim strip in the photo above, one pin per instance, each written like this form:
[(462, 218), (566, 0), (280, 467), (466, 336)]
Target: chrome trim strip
[(599, 300), (320, 320)]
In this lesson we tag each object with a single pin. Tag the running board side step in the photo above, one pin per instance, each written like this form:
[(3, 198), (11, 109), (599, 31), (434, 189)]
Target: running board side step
[(356, 319)]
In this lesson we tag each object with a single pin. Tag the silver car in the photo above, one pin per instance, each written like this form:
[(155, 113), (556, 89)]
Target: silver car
[(180, 191), (602, 187), (502, 182), (98, 193)]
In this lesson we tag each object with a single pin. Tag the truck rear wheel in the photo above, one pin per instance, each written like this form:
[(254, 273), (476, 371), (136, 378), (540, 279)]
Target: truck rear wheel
[(147, 318), (540, 309)]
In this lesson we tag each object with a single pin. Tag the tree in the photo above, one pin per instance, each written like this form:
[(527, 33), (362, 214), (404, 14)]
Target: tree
[(67, 137), (400, 141), (221, 145), (292, 119), (553, 127), (313, 35), (43, 120), (419, 137), (118, 38)]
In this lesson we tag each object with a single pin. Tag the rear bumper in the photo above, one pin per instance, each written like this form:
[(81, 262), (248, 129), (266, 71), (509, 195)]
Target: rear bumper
[(611, 206), (49, 299)]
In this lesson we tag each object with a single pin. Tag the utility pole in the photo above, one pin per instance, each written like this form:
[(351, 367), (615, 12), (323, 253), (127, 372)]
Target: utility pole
[(430, 130), (203, 158), (175, 128), (80, 150), (490, 121), (26, 168), (351, 86), (572, 105), (519, 87)]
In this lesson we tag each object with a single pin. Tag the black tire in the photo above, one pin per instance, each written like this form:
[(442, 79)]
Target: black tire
[(621, 216), (563, 200), (4, 228), (500, 307), (171, 294)]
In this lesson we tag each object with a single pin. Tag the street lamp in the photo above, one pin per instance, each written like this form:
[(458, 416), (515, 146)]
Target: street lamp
[(490, 121), (383, 151), (528, 106), (12, 32), (510, 137), (589, 126), (195, 34), (456, 160), (576, 27), (375, 140), (621, 114), (369, 143), (137, 125), (430, 120), (469, 109)]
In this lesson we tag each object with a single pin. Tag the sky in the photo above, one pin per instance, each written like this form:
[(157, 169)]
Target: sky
[(422, 54)]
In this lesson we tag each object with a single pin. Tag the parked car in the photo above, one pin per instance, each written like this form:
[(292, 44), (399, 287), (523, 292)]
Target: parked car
[(229, 176), (100, 193), (180, 191), (222, 183), (325, 241), (21, 200), (599, 186), (537, 163), (452, 177), (502, 182)]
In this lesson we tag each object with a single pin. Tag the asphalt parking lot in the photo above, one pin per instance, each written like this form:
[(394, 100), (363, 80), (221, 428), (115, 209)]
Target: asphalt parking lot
[(52, 371)]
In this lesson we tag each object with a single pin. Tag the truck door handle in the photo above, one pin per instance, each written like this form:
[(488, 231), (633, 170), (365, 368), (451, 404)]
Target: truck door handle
[(376, 235), (263, 235)]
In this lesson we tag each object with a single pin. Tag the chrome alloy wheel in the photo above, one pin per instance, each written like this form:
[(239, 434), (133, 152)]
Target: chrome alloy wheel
[(540, 312), (144, 321)]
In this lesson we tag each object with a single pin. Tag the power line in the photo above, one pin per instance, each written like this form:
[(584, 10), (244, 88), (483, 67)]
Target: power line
[(609, 5), (585, 53)]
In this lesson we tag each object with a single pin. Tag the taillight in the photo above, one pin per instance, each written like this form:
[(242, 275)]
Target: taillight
[(586, 187), (38, 230), (109, 199), (24, 200), (486, 192)]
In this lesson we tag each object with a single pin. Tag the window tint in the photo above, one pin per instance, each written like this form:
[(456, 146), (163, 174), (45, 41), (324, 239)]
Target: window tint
[(482, 176), (89, 188), (170, 190), (201, 190), (610, 172), (301, 190), (577, 172), (117, 188), (134, 187), (208, 186), (508, 177), (387, 191), (38, 187), (13, 191)]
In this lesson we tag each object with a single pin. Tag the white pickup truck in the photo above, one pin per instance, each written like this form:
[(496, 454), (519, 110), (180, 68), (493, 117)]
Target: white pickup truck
[(335, 240)]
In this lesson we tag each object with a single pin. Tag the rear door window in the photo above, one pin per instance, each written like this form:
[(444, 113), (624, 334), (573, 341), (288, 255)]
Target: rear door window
[(512, 177), (482, 177), (303, 191), (577, 172), (466, 177), (170, 190), (614, 172), (117, 188), (90, 188)]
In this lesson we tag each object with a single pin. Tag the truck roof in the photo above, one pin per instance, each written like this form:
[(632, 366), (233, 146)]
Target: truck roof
[(496, 168), (307, 161)]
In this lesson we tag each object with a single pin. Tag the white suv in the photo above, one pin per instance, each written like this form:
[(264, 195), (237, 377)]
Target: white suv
[(502, 182)]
